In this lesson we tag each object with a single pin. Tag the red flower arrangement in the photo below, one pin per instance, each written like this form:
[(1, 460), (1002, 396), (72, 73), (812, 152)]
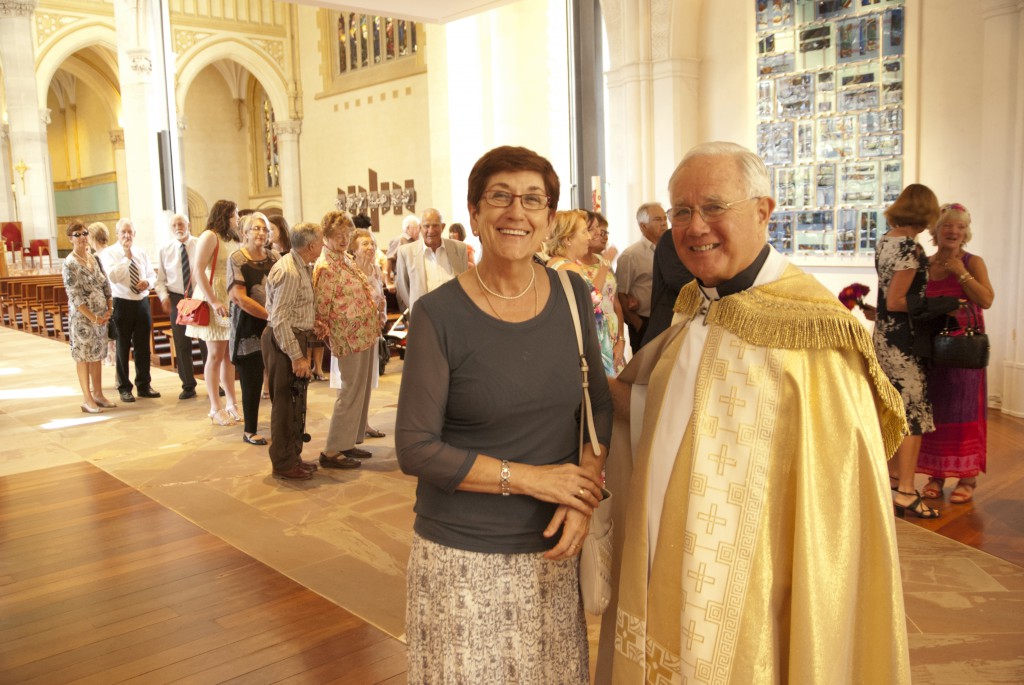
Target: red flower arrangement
[(853, 294)]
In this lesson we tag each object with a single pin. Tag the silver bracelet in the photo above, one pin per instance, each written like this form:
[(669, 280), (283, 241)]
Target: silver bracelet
[(506, 489)]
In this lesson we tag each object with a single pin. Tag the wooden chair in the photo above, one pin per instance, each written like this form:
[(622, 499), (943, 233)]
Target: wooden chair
[(37, 249)]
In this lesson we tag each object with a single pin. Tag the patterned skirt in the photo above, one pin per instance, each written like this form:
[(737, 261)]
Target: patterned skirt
[(479, 619)]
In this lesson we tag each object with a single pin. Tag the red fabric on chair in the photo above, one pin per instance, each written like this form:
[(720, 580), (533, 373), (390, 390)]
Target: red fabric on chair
[(12, 235)]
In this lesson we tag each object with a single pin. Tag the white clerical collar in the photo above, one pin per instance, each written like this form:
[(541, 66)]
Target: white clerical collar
[(763, 270)]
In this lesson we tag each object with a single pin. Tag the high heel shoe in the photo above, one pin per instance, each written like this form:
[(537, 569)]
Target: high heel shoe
[(232, 411), (91, 410), (918, 508), (221, 418)]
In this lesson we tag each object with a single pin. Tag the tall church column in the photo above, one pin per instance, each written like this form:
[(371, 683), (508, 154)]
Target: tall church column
[(290, 174), (1002, 194), (120, 169), (146, 72), (7, 207), (26, 121)]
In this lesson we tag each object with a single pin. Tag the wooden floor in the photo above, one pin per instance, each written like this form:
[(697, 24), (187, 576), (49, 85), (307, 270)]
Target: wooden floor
[(100, 584), (994, 521)]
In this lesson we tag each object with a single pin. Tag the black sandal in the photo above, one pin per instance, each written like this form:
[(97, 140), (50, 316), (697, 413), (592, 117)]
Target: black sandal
[(918, 508), (253, 439)]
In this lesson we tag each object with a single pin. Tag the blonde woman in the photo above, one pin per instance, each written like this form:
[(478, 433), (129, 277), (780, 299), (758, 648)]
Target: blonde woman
[(99, 236), (958, 446), (569, 249)]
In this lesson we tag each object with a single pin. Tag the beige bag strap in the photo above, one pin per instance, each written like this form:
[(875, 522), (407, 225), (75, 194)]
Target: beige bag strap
[(586, 410)]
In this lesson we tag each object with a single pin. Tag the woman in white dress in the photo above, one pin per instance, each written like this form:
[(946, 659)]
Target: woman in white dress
[(216, 244)]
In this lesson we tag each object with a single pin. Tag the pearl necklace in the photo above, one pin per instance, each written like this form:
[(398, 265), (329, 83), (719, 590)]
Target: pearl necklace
[(533, 278)]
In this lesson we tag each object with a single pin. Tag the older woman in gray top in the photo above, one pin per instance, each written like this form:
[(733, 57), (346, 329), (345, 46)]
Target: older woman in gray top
[(488, 422)]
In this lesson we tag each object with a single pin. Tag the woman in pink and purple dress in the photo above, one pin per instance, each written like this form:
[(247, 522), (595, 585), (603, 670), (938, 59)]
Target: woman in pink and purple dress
[(958, 446)]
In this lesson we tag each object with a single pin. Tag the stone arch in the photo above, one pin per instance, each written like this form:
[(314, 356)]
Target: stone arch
[(109, 95), (198, 211), (65, 43), (206, 52)]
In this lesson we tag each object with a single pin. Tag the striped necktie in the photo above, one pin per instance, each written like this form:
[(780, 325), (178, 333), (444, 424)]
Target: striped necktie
[(133, 276), (186, 272)]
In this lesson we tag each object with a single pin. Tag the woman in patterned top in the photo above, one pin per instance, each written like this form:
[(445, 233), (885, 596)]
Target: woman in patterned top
[(487, 422), (247, 273), (903, 270), (89, 309), (347, 317), (568, 246), (597, 263)]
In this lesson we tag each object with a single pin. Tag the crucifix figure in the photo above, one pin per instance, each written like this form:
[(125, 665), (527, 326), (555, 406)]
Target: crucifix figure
[(21, 168)]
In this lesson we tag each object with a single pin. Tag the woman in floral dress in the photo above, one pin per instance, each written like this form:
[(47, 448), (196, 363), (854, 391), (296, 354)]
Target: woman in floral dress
[(594, 264), (89, 309), (568, 245), (902, 270)]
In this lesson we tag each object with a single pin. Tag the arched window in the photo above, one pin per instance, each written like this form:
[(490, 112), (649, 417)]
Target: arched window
[(265, 164), (271, 165)]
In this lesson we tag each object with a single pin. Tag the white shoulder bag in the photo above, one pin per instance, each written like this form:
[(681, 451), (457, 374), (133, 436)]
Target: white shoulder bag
[(596, 555)]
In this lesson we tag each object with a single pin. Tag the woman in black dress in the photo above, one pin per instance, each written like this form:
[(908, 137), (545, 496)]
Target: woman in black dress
[(247, 272)]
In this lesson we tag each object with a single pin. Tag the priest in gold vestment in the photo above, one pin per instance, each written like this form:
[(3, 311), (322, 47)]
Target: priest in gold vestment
[(757, 538)]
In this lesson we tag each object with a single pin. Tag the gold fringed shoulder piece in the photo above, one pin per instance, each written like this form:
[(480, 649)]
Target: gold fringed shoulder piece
[(796, 312)]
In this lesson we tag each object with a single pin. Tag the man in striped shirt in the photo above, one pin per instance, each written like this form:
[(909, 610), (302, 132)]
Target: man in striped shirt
[(291, 305), (131, 276)]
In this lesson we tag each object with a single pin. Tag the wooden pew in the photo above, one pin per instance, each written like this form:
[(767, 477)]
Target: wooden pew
[(20, 294)]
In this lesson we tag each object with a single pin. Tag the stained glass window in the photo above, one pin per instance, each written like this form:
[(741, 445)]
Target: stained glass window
[(367, 40), (271, 162)]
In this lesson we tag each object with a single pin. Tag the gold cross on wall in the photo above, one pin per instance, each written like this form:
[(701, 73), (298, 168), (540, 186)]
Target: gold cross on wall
[(21, 168)]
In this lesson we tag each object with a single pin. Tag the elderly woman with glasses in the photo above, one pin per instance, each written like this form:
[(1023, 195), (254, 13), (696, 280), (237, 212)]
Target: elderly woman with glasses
[(90, 306), (348, 318), (488, 423), (246, 280)]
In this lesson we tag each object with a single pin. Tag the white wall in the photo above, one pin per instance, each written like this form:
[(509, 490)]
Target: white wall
[(215, 156), (505, 81), (383, 127)]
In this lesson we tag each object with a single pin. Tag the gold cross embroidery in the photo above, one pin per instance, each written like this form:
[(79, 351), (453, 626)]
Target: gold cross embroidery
[(713, 519)]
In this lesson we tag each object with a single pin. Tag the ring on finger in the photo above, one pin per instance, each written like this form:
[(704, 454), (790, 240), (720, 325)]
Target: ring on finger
[(583, 492)]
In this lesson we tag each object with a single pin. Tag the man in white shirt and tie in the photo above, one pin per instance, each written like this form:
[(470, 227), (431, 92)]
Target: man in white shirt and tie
[(131, 275), (429, 262), (172, 284)]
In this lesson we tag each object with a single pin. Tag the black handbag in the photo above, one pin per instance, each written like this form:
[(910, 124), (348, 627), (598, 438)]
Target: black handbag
[(964, 347)]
